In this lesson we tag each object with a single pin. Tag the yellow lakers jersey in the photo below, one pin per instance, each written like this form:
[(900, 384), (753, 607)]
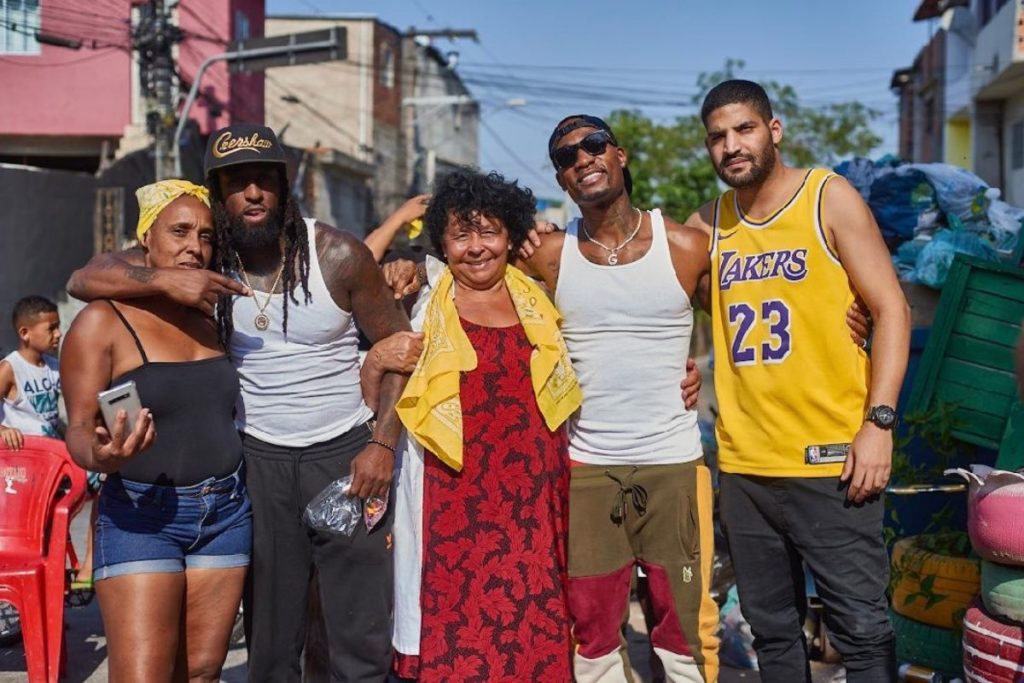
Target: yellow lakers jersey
[(787, 375)]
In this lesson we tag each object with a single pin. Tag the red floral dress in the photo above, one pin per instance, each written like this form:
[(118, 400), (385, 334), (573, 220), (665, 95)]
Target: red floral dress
[(494, 555)]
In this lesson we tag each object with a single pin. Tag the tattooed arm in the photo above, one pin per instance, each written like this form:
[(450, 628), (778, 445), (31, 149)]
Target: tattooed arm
[(356, 284), (125, 276), (545, 261)]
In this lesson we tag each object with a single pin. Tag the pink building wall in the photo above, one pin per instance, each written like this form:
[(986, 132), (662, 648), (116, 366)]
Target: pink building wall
[(87, 92), (70, 92), (213, 23)]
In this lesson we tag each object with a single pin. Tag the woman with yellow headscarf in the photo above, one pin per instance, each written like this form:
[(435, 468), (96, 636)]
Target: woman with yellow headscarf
[(481, 509), (174, 531)]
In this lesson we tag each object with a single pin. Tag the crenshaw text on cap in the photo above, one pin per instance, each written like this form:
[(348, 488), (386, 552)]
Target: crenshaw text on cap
[(242, 143)]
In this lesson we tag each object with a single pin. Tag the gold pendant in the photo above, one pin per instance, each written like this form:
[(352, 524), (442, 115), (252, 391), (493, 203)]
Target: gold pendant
[(613, 258), (262, 322)]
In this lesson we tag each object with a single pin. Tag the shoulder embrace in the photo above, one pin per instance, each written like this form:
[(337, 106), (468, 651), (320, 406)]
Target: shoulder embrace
[(551, 241), (686, 236), (703, 219)]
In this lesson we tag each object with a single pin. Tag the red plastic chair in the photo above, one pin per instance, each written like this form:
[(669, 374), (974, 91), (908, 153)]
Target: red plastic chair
[(39, 487)]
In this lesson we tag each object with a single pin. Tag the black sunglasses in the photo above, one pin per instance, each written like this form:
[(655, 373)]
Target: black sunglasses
[(593, 144)]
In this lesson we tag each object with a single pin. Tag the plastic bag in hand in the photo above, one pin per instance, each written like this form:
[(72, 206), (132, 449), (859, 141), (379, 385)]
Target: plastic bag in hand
[(333, 509)]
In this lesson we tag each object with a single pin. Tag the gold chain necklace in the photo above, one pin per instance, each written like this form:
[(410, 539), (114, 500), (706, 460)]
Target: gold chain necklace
[(262, 320), (613, 252)]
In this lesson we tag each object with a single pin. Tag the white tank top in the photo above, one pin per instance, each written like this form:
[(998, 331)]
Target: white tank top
[(628, 332), (304, 388), (35, 410)]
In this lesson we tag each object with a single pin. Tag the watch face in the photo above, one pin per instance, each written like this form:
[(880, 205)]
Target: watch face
[(883, 416)]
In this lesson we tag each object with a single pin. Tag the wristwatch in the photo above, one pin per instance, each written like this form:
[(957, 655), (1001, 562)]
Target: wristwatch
[(882, 416)]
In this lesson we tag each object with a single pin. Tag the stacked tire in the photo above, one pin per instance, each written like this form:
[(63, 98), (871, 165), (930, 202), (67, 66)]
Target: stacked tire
[(933, 584), (993, 642)]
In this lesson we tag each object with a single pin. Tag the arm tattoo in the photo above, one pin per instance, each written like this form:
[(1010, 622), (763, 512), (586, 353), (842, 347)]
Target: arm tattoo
[(553, 268), (141, 274), (421, 274), (353, 277)]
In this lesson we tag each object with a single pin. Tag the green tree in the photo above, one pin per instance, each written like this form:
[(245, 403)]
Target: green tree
[(670, 166)]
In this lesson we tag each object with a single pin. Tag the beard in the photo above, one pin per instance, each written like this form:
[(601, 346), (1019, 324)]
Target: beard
[(266, 233), (760, 166)]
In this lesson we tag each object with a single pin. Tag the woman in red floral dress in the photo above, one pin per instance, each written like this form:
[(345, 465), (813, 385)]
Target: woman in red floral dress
[(492, 594)]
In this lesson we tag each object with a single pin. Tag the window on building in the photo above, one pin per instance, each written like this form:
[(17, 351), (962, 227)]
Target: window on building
[(1017, 146), (19, 21), (242, 31), (387, 66)]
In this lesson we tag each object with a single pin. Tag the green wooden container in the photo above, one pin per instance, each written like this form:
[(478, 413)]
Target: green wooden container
[(968, 361)]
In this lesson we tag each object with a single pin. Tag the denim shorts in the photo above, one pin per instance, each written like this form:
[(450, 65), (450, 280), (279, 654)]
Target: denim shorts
[(145, 528)]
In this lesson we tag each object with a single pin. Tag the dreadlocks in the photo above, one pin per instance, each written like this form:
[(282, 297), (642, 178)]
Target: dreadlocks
[(226, 259)]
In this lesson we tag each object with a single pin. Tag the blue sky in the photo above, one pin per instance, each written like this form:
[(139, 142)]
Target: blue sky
[(561, 56)]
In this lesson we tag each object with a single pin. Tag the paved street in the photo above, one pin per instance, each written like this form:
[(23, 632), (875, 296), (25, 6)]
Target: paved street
[(87, 647)]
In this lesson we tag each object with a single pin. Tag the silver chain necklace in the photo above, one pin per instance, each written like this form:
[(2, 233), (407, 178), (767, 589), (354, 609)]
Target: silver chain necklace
[(613, 252)]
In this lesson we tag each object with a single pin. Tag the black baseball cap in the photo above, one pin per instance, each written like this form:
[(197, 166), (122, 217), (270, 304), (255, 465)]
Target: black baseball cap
[(242, 143), (571, 123)]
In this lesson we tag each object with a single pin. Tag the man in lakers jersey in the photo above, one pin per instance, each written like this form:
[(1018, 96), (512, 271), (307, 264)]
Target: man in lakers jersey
[(805, 422)]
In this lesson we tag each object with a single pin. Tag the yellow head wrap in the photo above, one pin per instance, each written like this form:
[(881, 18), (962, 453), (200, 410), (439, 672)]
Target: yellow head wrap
[(154, 198)]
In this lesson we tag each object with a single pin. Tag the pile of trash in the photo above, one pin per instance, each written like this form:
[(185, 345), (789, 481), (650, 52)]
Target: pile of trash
[(928, 213)]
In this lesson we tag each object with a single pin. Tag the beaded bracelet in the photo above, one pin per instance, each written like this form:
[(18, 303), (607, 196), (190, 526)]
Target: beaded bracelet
[(382, 444)]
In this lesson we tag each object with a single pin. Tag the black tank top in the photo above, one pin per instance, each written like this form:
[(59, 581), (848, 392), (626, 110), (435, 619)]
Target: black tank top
[(192, 403)]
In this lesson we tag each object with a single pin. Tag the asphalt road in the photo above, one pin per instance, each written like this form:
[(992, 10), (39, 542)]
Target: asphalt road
[(87, 648)]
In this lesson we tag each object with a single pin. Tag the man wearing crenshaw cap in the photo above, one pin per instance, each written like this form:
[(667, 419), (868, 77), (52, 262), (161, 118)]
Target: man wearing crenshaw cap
[(303, 421)]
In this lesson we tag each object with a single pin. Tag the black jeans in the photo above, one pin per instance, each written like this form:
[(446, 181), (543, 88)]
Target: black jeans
[(355, 573), (773, 526)]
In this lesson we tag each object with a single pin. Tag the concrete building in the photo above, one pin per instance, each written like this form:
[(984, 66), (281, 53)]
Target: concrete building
[(377, 125), (962, 101), (72, 109), (73, 140), (441, 118)]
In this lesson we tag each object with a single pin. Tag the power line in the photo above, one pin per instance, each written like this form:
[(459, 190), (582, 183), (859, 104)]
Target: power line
[(52, 6), (192, 13), (323, 118), (673, 70), (512, 153), (310, 5), (419, 5), (33, 31), (100, 52)]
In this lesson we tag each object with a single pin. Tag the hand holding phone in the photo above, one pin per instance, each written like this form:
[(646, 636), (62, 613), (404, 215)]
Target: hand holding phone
[(129, 427), (122, 397)]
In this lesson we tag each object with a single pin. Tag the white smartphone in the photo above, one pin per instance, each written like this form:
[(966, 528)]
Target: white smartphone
[(122, 397)]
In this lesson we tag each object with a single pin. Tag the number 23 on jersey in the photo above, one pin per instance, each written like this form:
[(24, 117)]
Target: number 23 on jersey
[(770, 322)]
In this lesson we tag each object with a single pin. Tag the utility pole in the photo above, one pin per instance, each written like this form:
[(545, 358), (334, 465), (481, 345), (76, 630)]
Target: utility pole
[(153, 39), (424, 164)]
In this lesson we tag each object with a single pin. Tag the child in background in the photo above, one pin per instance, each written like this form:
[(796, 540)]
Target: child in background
[(30, 387), (29, 381)]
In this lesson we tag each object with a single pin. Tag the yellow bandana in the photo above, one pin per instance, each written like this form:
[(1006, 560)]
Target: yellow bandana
[(154, 198), (430, 407)]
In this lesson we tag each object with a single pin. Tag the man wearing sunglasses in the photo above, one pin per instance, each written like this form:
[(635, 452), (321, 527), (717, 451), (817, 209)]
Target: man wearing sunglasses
[(640, 493)]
